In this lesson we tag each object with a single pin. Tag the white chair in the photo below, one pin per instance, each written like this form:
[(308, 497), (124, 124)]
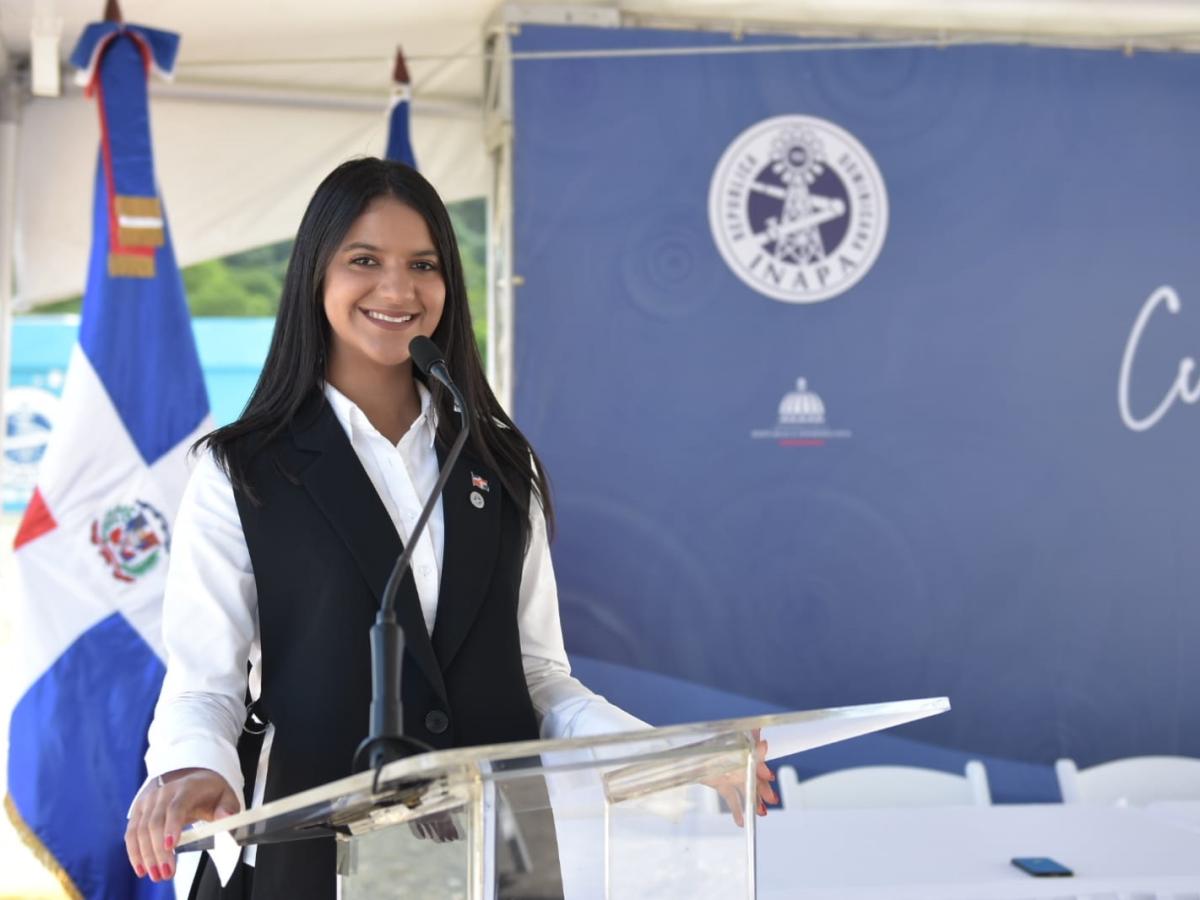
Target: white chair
[(886, 786), (1134, 781)]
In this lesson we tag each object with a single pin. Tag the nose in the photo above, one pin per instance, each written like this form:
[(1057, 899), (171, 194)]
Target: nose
[(397, 283)]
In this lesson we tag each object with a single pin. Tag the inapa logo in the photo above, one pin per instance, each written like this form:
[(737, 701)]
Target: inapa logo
[(132, 539), (798, 209), (801, 421)]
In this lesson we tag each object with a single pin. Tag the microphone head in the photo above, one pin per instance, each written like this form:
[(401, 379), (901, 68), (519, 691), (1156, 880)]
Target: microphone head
[(425, 354)]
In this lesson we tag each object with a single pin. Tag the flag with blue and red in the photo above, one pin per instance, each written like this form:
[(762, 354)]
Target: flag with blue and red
[(399, 142), (93, 546)]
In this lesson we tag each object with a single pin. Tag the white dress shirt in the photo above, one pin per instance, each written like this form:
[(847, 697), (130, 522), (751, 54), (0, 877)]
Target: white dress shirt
[(210, 609)]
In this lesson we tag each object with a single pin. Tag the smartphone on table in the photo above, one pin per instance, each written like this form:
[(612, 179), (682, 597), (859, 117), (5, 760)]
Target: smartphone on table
[(1042, 867)]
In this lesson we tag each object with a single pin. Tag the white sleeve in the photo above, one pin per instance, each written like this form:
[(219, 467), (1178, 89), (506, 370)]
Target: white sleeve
[(210, 628), (565, 708)]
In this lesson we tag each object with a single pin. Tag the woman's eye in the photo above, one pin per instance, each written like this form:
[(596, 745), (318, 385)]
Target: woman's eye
[(362, 261), (425, 265)]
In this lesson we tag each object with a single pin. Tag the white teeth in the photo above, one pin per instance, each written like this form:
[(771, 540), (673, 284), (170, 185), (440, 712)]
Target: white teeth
[(383, 318)]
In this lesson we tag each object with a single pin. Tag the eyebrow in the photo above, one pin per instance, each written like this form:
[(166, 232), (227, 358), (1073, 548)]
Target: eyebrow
[(363, 245)]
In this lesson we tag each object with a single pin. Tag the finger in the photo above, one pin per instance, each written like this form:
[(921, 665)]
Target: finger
[(228, 805), (133, 828), (142, 829), (177, 816), (152, 839), (145, 851), (732, 798), (132, 848), (767, 793)]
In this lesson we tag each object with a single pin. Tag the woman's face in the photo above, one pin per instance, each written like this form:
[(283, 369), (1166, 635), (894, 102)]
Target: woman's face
[(383, 287)]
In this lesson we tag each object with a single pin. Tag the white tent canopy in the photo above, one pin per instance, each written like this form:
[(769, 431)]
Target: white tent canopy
[(268, 97)]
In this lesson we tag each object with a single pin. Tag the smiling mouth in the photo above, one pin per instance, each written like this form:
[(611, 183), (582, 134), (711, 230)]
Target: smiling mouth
[(377, 316)]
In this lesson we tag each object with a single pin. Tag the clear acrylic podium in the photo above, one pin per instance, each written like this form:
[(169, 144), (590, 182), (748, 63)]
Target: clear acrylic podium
[(633, 815)]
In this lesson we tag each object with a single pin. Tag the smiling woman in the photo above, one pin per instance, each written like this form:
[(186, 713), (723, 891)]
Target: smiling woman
[(383, 287), (292, 520)]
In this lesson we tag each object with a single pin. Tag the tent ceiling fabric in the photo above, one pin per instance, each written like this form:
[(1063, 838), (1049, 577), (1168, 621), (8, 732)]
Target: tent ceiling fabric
[(263, 104)]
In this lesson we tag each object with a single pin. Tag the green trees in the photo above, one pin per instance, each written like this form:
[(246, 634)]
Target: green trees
[(248, 283)]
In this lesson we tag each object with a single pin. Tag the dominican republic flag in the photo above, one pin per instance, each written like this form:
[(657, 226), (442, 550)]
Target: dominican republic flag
[(399, 147), (93, 547)]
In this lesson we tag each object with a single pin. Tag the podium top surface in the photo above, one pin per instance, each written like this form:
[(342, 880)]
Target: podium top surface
[(630, 763)]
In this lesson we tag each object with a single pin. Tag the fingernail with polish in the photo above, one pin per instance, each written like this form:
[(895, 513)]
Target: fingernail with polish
[(140, 871), (166, 870), (169, 842), (154, 876)]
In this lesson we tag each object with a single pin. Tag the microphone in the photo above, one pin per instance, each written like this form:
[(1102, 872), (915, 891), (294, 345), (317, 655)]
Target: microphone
[(429, 359), (386, 741)]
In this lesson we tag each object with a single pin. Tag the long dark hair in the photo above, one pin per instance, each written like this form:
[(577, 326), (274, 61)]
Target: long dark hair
[(294, 370)]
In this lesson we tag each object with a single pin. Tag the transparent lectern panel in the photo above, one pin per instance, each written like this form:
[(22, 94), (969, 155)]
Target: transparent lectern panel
[(682, 841), (628, 815), (420, 845), (636, 822), (426, 857)]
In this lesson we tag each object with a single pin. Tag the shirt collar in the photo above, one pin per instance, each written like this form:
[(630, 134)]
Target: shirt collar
[(354, 421)]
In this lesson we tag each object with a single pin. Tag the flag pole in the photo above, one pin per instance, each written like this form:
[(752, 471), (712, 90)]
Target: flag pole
[(10, 124)]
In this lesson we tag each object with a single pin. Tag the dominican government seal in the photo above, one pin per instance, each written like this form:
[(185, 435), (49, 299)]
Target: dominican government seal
[(798, 208), (133, 539)]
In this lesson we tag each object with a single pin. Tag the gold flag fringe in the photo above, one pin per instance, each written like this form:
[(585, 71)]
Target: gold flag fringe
[(44, 856), (129, 265)]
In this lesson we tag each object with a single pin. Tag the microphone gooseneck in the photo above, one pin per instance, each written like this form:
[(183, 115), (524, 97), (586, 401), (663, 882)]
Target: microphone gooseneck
[(386, 741), (429, 360)]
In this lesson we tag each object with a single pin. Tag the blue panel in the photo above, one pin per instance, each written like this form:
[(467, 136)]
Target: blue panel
[(138, 336), (126, 111), (399, 143), (982, 524), (91, 708)]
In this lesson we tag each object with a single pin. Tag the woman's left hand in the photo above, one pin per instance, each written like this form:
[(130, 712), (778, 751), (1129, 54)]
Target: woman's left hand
[(731, 787)]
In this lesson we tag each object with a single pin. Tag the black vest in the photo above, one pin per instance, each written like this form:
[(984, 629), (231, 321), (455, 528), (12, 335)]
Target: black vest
[(322, 545)]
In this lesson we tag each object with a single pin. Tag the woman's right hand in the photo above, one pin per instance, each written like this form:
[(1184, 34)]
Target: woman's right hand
[(162, 810)]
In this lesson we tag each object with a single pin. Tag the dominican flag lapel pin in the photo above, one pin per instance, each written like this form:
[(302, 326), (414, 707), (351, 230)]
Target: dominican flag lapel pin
[(478, 484)]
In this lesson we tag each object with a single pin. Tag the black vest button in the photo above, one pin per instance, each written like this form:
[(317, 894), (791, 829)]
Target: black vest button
[(437, 721)]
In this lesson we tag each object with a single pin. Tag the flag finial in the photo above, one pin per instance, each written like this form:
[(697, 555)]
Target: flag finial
[(112, 12), (399, 71)]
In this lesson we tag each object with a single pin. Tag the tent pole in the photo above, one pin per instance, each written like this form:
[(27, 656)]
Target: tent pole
[(498, 135), (10, 116)]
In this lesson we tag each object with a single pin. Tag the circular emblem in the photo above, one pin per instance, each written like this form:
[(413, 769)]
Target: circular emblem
[(133, 539), (798, 209), (477, 499), (29, 414), (29, 417)]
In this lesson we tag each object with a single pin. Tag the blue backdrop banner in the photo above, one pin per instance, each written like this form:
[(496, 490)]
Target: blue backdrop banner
[(865, 375)]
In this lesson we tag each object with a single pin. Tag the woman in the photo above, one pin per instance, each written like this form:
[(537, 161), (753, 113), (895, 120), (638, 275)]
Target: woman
[(294, 516)]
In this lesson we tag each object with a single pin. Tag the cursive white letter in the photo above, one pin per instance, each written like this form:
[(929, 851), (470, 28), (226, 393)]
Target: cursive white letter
[(1180, 389)]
